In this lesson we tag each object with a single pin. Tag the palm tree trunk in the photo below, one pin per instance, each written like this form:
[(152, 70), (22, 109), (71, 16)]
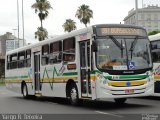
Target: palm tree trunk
[(85, 25), (41, 23), (41, 19)]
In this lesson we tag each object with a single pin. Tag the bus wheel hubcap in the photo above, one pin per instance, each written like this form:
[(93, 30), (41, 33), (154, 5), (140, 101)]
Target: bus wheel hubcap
[(24, 91), (73, 94)]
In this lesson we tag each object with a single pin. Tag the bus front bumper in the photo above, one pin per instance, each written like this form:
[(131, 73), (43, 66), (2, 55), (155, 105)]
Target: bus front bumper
[(125, 92)]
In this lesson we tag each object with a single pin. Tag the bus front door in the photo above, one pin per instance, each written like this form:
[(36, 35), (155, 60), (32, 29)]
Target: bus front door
[(37, 84), (85, 68)]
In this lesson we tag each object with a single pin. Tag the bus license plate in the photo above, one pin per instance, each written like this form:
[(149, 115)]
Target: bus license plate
[(128, 91)]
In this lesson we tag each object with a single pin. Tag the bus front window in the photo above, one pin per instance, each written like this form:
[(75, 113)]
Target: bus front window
[(123, 53)]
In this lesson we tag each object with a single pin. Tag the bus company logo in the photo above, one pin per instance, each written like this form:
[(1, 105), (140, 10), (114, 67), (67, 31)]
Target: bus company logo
[(128, 84)]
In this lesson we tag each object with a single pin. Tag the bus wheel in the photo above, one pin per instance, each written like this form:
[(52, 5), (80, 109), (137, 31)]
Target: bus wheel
[(24, 91), (120, 100), (73, 94)]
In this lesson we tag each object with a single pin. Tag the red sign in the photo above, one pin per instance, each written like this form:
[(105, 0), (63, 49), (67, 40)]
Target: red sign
[(83, 36)]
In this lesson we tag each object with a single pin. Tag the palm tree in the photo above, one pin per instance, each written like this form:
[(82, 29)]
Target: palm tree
[(69, 25), (41, 33), (84, 14), (41, 7)]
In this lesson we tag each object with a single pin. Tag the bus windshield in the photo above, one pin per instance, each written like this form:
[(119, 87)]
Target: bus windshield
[(123, 53)]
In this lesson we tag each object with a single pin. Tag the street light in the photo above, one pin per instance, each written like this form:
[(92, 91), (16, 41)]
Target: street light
[(23, 21), (136, 5), (18, 20)]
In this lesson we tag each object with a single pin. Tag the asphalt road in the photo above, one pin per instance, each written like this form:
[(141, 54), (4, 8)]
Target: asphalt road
[(46, 108)]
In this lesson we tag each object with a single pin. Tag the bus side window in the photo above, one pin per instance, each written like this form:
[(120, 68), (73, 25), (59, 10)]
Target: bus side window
[(45, 54), (13, 63), (21, 59), (28, 58), (56, 52), (156, 57), (69, 49)]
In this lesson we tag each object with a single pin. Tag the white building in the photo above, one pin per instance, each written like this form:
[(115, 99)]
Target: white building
[(7, 42), (148, 17)]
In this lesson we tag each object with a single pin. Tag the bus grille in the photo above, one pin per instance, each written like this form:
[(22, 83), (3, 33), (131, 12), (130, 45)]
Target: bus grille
[(128, 83)]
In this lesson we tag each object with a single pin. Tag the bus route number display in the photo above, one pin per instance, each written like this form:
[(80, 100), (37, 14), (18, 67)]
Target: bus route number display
[(120, 31)]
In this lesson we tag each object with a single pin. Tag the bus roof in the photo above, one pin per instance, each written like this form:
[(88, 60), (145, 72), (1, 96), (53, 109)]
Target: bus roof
[(59, 37), (154, 37), (71, 34)]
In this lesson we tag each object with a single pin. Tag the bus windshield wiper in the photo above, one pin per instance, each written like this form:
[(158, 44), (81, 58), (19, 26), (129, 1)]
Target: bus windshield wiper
[(133, 44), (119, 45)]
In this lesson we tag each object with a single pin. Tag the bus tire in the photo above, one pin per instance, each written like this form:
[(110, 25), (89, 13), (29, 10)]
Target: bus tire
[(120, 100), (25, 91), (73, 94)]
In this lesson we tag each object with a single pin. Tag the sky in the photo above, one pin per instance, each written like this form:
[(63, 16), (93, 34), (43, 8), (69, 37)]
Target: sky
[(104, 11)]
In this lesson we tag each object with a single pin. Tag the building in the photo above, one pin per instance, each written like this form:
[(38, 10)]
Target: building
[(7, 42), (148, 17)]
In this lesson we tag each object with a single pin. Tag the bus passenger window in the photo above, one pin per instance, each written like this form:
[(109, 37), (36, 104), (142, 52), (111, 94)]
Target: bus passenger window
[(28, 58), (156, 57), (56, 52), (21, 59), (13, 63), (45, 54), (69, 49)]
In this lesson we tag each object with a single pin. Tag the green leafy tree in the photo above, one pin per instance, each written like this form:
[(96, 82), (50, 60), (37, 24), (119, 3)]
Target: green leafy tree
[(84, 14), (69, 25), (41, 33), (41, 7), (154, 32)]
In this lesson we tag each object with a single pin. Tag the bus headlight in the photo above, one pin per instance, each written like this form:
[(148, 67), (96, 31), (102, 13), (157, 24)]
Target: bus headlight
[(105, 82), (150, 76), (102, 79), (149, 73)]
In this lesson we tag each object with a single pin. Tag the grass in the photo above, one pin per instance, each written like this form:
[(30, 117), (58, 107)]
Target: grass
[(2, 82)]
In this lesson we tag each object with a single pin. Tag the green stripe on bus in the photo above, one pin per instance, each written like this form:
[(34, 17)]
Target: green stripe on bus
[(95, 71), (15, 77), (129, 77), (70, 73)]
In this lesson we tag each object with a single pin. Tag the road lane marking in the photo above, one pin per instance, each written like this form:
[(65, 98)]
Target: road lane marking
[(100, 112)]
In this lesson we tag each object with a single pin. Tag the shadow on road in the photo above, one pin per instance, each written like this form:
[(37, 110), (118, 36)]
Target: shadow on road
[(157, 98), (94, 105)]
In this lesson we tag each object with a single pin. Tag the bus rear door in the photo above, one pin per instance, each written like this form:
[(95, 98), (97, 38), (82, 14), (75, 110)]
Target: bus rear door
[(85, 68), (37, 84)]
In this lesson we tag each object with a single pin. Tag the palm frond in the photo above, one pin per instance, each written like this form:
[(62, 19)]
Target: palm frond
[(84, 14)]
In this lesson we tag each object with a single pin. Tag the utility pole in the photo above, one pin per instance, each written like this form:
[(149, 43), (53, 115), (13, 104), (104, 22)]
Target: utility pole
[(18, 20), (14, 38), (23, 21), (136, 6)]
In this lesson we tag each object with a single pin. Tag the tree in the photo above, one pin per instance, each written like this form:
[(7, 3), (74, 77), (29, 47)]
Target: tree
[(41, 7), (41, 33), (69, 25), (154, 32), (84, 14)]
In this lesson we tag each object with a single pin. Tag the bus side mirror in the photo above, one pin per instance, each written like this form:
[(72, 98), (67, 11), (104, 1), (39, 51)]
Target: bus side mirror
[(94, 46)]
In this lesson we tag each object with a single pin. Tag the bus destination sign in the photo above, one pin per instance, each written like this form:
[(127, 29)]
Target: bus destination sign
[(120, 31)]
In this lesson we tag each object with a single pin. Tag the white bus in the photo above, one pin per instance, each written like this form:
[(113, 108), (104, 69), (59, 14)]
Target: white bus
[(95, 63), (155, 46)]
